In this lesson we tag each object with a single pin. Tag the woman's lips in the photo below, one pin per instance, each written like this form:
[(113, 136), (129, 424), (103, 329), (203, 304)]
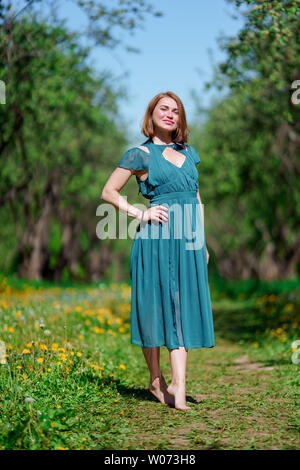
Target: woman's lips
[(169, 122)]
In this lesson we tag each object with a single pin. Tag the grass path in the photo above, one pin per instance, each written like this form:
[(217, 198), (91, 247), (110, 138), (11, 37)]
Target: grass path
[(237, 403)]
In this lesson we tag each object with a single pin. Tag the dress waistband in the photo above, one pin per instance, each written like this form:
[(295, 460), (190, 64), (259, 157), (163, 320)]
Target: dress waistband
[(173, 195)]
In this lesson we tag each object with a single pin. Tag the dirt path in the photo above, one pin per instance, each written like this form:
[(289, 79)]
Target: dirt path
[(237, 403)]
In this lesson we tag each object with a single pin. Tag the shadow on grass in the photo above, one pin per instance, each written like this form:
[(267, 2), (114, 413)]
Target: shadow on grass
[(142, 394), (124, 388)]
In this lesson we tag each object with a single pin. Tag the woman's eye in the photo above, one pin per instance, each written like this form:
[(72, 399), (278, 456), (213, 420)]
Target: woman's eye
[(164, 109)]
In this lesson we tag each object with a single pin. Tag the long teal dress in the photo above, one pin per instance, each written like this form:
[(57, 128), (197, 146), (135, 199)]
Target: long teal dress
[(170, 296)]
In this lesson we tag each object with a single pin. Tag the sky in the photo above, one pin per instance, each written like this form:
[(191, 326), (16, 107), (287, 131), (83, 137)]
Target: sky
[(178, 51)]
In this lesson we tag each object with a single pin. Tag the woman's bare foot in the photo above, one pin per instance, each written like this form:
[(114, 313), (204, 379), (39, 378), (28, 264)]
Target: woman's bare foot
[(178, 391), (158, 388)]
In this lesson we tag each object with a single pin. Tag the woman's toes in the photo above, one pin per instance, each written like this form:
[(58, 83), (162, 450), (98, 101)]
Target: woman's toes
[(182, 407), (179, 395)]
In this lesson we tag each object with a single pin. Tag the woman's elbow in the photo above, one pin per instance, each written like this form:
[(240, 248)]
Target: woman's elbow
[(104, 194), (107, 194)]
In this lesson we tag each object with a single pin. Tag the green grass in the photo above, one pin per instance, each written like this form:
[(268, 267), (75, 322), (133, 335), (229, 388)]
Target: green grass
[(92, 394)]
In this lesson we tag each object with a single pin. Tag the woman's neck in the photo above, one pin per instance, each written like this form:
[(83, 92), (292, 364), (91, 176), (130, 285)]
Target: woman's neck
[(162, 140)]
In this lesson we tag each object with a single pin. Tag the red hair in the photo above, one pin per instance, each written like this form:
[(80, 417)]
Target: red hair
[(181, 133)]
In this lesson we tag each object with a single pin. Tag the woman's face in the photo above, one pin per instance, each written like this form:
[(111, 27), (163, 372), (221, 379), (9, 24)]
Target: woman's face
[(165, 115)]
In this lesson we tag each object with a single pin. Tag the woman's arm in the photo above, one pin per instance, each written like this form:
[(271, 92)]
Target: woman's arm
[(112, 188)]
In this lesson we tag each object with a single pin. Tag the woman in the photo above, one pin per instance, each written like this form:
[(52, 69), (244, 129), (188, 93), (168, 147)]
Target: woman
[(170, 297)]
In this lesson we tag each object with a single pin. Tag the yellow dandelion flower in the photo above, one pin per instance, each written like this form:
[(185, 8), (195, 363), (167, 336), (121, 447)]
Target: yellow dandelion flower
[(84, 438), (11, 329), (79, 354), (121, 329), (72, 353), (43, 347), (36, 326), (49, 370), (116, 401), (52, 425), (61, 349), (81, 337), (59, 363), (54, 347), (29, 345), (40, 360), (289, 307), (78, 309), (26, 351), (61, 448), (122, 366), (18, 314), (58, 406), (278, 330), (122, 412)]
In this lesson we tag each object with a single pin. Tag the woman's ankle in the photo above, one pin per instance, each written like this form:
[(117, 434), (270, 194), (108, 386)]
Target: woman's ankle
[(178, 382), (156, 376)]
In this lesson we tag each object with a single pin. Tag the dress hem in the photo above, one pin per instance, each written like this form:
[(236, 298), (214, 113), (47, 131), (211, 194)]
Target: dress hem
[(172, 347)]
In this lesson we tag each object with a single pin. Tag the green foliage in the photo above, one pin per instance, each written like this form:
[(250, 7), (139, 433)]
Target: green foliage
[(105, 20), (61, 132), (250, 144)]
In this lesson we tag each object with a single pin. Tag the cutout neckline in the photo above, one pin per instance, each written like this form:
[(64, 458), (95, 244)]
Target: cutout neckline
[(174, 146), (174, 164)]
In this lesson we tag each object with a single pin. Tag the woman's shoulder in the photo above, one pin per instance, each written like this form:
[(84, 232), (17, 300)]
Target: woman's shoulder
[(136, 158), (193, 153)]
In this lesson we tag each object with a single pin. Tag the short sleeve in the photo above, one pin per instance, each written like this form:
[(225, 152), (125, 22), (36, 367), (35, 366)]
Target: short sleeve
[(194, 154), (135, 159)]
